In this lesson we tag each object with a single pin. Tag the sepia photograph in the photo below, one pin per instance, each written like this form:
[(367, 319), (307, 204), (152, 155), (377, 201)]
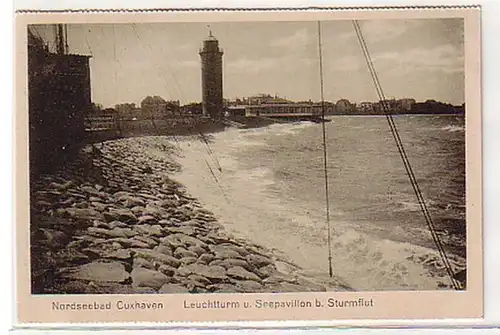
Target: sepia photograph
[(218, 157), (191, 157)]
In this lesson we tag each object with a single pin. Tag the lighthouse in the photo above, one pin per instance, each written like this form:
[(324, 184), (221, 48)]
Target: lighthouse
[(211, 77)]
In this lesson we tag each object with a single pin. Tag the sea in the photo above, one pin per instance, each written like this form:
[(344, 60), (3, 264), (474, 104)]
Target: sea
[(268, 185)]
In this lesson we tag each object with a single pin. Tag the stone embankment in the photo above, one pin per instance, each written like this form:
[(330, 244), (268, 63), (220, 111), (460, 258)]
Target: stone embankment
[(114, 221)]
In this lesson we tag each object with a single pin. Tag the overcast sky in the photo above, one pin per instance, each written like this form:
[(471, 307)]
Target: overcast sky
[(421, 59)]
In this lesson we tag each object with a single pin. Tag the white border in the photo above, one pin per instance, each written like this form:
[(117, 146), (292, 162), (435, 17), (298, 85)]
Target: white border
[(491, 140)]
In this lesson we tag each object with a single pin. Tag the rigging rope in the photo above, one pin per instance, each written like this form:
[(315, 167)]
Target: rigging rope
[(404, 156), (325, 160)]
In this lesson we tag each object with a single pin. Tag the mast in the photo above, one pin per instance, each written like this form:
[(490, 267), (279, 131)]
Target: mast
[(66, 46), (60, 40), (325, 158)]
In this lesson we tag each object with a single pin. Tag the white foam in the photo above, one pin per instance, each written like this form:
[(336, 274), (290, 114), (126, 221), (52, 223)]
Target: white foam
[(243, 203), (453, 129)]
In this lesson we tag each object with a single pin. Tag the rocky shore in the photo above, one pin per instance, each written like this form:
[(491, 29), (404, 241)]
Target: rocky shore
[(114, 221)]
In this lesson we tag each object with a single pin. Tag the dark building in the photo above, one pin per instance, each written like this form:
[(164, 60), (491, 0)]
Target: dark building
[(211, 77), (59, 97)]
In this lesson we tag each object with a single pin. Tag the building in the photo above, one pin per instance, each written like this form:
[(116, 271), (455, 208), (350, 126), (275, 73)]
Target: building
[(343, 106), (405, 104), (388, 105), (58, 97), (284, 110), (366, 107), (260, 99), (211, 77)]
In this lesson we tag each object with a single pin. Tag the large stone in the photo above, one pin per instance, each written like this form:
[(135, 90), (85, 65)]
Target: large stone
[(141, 262), (312, 286), (242, 251), (149, 241), (119, 224), (83, 213), (121, 195), (147, 229), (279, 277), (127, 232), (288, 287), (155, 211), (230, 262), (131, 243), (173, 288), (115, 232), (169, 203), (198, 280), (90, 190), (132, 201), (100, 207), (144, 219), (267, 271), (147, 196), (285, 267), (218, 238), (206, 258), (137, 210), (197, 250), (216, 273), (61, 187), (258, 260), (186, 230), (121, 254), (173, 241), (182, 240), (159, 258), (238, 272), (163, 249), (55, 239), (101, 224), (188, 260), (180, 252), (100, 232), (98, 271), (224, 288), (142, 277), (224, 253), (167, 270), (72, 256), (249, 285), (123, 215)]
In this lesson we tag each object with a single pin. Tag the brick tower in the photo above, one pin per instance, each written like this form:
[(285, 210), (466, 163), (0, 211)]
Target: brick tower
[(211, 77)]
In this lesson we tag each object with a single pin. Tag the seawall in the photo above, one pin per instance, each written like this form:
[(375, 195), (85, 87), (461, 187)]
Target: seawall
[(115, 221)]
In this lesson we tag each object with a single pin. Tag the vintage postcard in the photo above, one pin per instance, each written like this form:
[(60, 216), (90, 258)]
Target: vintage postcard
[(192, 166)]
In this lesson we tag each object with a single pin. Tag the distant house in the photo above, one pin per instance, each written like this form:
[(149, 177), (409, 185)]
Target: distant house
[(128, 111), (366, 107), (388, 105), (194, 108), (260, 99), (405, 104), (343, 106), (157, 107)]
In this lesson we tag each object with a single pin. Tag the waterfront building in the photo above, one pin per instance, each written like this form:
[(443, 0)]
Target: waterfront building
[(284, 110), (343, 106), (406, 103), (366, 107)]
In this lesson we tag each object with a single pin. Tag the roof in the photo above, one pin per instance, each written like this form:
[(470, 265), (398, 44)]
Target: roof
[(210, 37)]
